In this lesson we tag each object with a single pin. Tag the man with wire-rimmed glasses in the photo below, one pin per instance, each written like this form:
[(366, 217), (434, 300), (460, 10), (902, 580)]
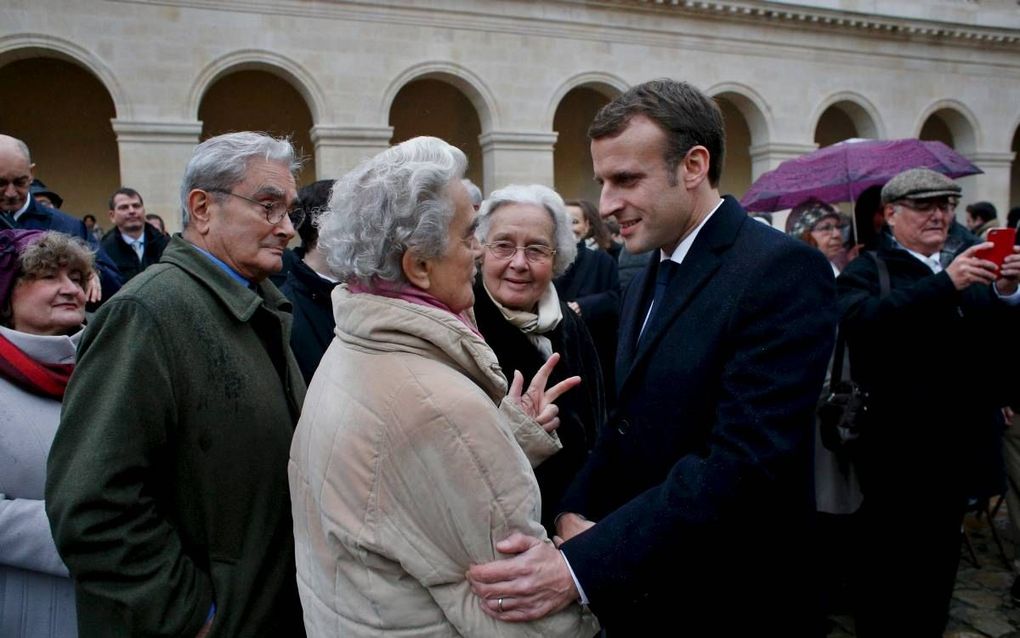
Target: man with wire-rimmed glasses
[(167, 486)]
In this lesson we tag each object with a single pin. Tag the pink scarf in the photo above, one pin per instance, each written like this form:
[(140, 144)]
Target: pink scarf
[(411, 294)]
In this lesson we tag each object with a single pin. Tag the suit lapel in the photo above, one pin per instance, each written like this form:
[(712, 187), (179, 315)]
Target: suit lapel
[(701, 262), (632, 314)]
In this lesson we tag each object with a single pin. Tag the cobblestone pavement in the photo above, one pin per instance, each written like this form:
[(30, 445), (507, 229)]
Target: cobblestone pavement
[(981, 606)]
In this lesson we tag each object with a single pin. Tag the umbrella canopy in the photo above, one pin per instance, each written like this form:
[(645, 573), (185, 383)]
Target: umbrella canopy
[(839, 173)]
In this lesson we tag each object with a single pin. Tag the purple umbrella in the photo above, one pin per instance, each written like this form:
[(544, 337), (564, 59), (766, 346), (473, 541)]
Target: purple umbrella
[(839, 173)]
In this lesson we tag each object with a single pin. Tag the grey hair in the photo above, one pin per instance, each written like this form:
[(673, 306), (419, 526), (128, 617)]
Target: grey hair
[(397, 200), (221, 162), (538, 195), (473, 191)]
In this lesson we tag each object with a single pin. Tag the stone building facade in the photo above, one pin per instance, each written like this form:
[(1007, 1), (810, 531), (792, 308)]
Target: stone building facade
[(111, 92)]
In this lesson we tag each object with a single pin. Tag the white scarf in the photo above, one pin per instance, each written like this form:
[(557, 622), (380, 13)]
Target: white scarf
[(534, 325)]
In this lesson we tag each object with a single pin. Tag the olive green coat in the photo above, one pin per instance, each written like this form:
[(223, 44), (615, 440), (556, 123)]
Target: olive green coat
[(167, 482)]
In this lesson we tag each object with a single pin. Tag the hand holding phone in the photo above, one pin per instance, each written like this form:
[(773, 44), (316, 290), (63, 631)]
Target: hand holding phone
[(1004, 239)]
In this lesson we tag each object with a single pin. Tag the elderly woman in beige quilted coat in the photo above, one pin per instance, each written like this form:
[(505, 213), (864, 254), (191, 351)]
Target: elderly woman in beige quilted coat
[(411, 461)]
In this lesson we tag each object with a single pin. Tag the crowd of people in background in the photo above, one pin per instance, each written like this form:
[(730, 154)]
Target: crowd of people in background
[(452, 414)]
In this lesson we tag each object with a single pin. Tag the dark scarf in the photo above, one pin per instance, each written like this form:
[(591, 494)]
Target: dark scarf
[(43, 379)]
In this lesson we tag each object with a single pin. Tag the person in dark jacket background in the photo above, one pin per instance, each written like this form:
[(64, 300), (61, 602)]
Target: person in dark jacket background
[(527, 241), (133, 244), (309, 284)]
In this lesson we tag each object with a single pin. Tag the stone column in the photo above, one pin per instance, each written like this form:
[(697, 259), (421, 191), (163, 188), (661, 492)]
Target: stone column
[(991, 186), (338, 149), (516, 157), (765, 157), (152, 160)]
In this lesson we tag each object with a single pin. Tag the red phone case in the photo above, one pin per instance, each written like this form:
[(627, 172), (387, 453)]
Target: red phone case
[(1003, 238)]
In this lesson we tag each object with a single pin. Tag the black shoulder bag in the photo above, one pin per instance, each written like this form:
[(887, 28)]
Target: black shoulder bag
[(843, 412)]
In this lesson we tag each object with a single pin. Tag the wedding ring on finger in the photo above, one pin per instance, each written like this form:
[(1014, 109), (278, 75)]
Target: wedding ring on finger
[(499, 605)]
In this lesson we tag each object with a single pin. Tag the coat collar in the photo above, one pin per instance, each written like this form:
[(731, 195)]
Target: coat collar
[(701, 262), (241, 302)]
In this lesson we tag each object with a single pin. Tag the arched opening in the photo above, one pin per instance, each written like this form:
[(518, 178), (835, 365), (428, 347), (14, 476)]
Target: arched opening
[(433, 107), (573, 176), (835, 125), (257, 100), (936, 128), (66, 125), (736, 171)]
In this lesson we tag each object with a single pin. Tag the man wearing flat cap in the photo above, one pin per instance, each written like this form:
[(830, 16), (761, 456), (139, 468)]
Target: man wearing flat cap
[(934, 429)]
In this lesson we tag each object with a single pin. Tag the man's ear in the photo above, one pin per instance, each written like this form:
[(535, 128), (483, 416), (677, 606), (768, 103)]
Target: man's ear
[(417, 270), (199, 213), (693, 169), (889, 211)]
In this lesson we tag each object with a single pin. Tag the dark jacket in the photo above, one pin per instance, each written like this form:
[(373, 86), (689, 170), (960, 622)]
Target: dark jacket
[(167, 480), (313, 326), (701, 480), (593, 282), (897, 344), (582, 409), (124, 256)]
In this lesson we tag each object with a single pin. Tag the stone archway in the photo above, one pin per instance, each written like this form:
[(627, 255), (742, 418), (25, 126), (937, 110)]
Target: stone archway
[(572, 166), (65, 119), (435, 106), (846, 116), (256, 99)]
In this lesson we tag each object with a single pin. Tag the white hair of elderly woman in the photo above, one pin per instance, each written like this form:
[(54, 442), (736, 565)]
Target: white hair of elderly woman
[(394, 201), (543, 197)]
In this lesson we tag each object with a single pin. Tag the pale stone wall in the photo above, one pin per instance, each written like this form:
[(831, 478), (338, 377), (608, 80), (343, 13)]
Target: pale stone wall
[(886, 65)]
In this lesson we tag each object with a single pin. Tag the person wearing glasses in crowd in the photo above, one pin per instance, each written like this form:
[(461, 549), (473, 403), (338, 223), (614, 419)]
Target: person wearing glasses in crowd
[(527, 239), (820, 225), (922, 451), (410, 458), (167, 480)]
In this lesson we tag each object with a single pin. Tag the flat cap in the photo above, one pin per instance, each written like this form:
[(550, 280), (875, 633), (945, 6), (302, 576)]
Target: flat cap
[(919, 183)]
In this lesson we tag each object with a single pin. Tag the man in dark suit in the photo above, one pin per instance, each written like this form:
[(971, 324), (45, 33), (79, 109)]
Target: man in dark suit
[(133, 244), (693, 514), (19, 210)]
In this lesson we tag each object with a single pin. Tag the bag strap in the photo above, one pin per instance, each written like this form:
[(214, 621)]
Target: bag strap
[(839, 354)]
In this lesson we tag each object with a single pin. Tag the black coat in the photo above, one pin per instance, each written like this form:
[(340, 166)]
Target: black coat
[(582, 409), (312, 330), (701, 482), (124, 256), (593, 281)]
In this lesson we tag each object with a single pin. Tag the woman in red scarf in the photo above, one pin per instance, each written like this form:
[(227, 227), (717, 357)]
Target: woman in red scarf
[(42, 307)]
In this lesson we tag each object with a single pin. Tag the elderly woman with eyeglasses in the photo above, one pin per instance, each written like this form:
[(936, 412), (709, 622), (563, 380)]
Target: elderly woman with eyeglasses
[(411, 461), (820, 225), (43, 279), (527, 238)]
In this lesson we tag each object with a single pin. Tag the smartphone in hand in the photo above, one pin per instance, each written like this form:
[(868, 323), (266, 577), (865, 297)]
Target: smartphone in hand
[(1004, 239)]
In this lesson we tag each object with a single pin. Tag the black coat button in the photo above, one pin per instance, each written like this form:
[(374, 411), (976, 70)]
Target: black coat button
[(623, 426)]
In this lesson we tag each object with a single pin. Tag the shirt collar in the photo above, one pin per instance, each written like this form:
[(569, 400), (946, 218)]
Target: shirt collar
[(685, 246), (222, 265), (931, 261), (21, 211)]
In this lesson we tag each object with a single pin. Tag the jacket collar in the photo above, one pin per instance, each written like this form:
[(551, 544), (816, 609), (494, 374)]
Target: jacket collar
[(703, 259), (240, 301)]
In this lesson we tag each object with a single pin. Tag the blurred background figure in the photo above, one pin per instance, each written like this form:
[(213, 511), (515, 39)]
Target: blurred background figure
[(156, 221), (981, 218), (42, 308), (410, 459), (591, 286), (528, 240), (94, 232), (474, 193), (309, 284), (133, 244), (45, 196), (820, 225)]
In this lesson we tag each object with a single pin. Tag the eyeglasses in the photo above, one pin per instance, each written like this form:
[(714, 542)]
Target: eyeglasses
[(828, 228), (535, 253), (928, 206), (274, 210)]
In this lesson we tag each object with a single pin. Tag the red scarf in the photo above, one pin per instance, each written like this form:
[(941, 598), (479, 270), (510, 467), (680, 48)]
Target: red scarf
[(411, 294), (44, 379)]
